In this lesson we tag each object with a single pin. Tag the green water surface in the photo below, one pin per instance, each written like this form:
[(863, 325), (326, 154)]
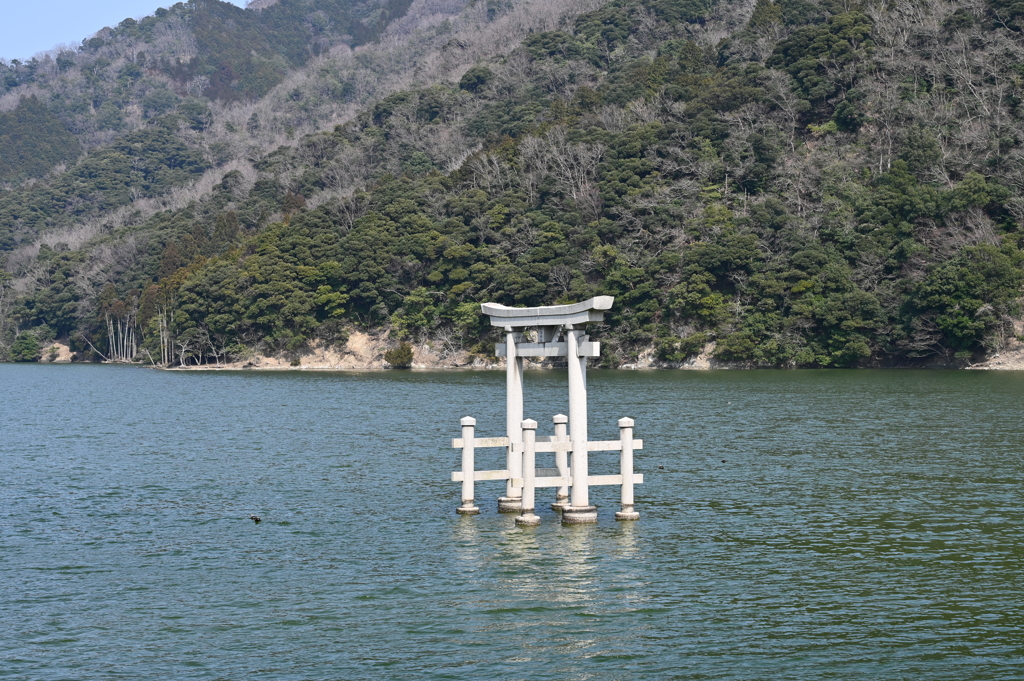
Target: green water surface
[(805, 525)]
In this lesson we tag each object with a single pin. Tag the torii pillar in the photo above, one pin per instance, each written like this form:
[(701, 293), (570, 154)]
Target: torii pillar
[(550, 321), (512, 502)]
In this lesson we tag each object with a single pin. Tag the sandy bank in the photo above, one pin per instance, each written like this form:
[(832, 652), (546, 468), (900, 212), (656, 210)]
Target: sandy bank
[(365, 352), (362, 352), (1008, 358)]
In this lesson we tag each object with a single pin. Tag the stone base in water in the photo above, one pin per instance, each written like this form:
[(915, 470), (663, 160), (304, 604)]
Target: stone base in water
[(510, 504), (527, 518), (467, 509), (578, 515), (560, 504), (627, 513)]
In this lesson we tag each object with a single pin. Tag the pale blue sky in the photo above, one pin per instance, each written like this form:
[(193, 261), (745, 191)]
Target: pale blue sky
[(31, 26)]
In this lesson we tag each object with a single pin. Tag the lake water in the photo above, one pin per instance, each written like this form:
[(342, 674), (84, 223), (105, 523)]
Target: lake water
[(806, 525)]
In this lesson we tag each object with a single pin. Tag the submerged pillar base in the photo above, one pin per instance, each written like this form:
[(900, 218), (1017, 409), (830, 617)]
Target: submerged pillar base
[(578, 515), (467, 508), (627, 513), (527, 518), (510, 504), (560, 503)]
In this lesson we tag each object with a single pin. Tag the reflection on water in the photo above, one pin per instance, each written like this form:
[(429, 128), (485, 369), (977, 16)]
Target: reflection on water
[(625, 539), (806, 525)]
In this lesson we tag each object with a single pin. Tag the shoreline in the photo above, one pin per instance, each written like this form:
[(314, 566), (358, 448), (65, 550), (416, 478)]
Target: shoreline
[(988, 365), (365, 352)]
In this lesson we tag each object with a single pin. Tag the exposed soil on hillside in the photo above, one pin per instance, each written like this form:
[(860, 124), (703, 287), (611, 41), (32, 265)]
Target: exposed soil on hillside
[(365, 351), (1010, 357), (56, 353), (362, 351)]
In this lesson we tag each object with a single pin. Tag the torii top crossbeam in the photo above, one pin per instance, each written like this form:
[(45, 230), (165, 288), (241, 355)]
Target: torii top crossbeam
[(551, 315)]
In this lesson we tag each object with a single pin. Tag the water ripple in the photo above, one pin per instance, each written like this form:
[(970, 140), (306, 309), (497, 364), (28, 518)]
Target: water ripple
[(806, 525)]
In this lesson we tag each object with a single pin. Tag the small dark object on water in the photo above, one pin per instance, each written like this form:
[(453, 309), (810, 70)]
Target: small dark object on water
[(723, 461), (661, 468), (255, 518)]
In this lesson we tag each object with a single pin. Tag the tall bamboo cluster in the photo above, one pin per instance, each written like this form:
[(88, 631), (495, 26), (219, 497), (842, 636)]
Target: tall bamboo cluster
[(122, 331), (163, 320)]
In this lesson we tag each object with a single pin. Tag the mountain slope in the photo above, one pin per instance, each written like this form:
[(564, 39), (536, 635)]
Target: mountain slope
[(801, 183), (180, 58)]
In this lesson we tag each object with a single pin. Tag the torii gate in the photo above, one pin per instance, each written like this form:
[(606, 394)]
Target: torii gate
[(521, 442)]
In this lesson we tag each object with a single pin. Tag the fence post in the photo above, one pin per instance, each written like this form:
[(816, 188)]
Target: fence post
[(467, 507), (561, 462), (529, 474), (626, 469)]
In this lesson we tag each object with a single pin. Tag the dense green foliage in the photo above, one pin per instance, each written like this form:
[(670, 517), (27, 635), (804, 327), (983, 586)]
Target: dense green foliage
[(400, 356), (26, 349), (33, 140), (239, 53), (804, 192), (148, 162), (244, 54)]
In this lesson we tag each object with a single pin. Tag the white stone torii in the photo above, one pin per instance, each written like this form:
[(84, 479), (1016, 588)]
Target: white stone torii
[(522, 444), (549, 321)]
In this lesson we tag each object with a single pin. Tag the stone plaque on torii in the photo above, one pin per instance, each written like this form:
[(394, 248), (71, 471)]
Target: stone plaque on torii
[(570, 475)]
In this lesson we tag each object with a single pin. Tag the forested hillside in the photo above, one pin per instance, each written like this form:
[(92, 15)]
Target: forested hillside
[(801, 183)]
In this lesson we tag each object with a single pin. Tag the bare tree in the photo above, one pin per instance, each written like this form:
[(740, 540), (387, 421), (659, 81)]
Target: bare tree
[(121, 318), (574, 165)]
